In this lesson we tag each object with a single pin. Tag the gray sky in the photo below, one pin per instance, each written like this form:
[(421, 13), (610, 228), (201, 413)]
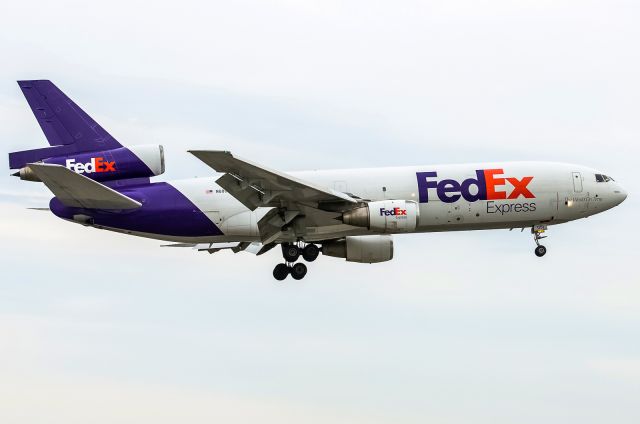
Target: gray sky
[(468, 327)]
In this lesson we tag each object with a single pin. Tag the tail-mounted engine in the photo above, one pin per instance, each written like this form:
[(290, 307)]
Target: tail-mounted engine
[(387, 216)]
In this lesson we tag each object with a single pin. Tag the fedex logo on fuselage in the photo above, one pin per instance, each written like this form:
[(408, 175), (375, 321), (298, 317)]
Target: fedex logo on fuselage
[(94, 165), (489, 184)]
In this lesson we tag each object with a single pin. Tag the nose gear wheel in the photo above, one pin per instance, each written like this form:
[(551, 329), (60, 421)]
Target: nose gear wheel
[(537, 231)]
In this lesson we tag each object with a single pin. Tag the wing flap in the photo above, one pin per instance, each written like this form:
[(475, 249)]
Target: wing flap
[(256, 248), (248, 195), (75, 190)]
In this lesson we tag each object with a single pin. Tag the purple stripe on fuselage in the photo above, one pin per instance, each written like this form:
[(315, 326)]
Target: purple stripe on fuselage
[(164, 211)]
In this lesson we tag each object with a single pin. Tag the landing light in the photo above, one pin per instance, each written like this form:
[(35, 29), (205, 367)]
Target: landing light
[(569, 203)]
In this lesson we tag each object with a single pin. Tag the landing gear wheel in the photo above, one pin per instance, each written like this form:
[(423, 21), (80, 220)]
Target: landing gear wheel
[(290, 252), (538, 231), (280, 272), (298, 271), (310, 252)]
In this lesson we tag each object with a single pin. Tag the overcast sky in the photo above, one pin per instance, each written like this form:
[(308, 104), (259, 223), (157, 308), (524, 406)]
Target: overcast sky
[(458, 328)]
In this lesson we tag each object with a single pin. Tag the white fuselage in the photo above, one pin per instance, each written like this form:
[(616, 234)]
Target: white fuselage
[(449, 198)]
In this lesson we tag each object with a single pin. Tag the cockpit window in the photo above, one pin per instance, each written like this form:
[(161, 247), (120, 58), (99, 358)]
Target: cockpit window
[(601, 178)]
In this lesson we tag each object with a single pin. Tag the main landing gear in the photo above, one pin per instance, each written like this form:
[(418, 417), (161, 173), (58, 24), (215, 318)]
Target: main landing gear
[(291, 253), (297, 271), (537, 231)]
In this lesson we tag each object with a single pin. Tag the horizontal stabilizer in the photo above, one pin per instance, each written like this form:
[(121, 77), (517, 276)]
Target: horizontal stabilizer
[(75, 190)]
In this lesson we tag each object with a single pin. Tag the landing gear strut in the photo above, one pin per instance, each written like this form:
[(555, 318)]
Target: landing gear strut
[(291, 253), (537, 231)]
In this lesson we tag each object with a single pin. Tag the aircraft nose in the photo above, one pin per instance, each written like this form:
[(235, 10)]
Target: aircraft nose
[(621, 194)]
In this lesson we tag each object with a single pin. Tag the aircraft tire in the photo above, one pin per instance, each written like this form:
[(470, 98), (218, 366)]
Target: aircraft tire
[(280, 272), (540, 251), (290, 252), (310, 252), (298, 271)]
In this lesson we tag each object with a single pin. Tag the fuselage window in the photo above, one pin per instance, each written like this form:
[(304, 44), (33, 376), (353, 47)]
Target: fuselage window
[(599, 178)]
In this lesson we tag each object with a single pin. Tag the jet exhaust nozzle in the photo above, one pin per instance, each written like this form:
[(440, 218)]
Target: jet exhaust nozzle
[(358, 217), (27, 174)]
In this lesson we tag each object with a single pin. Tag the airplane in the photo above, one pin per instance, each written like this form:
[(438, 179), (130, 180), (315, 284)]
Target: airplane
[(346, 213)]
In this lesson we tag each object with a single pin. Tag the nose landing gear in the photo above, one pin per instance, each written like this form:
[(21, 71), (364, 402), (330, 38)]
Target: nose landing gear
[(537, 231), (291, 253), (540, 251)]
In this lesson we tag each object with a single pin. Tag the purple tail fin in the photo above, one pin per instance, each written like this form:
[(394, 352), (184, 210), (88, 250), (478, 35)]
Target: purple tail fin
[(67, 127)]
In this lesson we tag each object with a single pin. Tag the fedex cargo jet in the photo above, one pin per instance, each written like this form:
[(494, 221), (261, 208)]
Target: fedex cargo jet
[(348, 213)]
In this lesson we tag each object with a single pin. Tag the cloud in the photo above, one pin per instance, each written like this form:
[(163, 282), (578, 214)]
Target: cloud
[(618, 368)]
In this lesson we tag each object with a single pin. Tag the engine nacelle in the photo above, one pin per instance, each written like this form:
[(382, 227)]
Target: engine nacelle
[(108, 165), (363, 249), (387, 216)]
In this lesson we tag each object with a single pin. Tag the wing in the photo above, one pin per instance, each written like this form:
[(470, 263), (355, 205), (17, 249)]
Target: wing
[(255, 185), (78, 191)]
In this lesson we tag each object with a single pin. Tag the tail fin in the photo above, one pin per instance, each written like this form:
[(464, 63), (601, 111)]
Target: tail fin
[(68, 128)]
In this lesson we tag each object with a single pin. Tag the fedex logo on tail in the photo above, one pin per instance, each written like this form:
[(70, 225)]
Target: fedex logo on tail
[(489, 184), (94, 165)]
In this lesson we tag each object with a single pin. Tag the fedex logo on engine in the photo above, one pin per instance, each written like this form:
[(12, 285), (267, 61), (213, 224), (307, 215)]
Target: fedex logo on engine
[(393, 212), (94, 165), (489, 184)]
